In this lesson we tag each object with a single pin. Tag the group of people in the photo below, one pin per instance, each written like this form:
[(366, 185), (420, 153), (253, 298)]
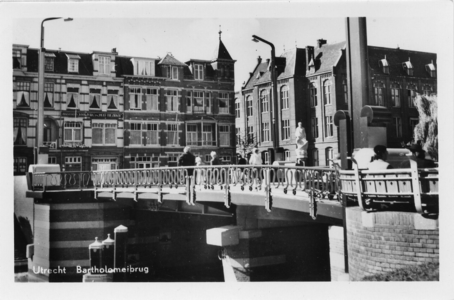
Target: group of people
[(378, 161)]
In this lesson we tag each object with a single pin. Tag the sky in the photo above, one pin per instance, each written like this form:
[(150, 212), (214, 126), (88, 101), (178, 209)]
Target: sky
[(190, 30)]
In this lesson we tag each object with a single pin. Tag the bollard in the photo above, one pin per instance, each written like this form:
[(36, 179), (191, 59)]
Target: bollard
[(95, 256), (108, 253), (120, 255)]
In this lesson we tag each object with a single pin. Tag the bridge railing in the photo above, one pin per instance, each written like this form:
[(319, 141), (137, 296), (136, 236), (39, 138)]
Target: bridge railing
[(322, 181)]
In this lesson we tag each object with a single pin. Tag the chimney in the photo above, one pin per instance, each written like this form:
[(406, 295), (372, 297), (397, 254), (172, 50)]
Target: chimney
[(309, 55), (250, 74), (267, 61), (321, 42), (114, 50), (259, 60)]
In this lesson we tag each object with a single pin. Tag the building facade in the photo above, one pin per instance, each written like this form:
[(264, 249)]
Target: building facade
[(318, 88), (105, 111)]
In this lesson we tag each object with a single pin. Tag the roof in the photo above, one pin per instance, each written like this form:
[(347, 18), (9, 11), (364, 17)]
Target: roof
[(61, 61), (221, 52), (327, 56), (170, 60), (397, 57)]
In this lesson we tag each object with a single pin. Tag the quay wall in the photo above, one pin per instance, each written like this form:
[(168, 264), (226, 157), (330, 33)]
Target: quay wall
[(380, 242)]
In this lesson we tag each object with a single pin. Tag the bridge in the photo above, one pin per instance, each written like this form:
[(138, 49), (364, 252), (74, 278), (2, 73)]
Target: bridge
[(279, 223)]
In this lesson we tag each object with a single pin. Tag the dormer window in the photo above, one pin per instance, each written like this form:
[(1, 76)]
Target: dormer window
[(408, 67), (175, 73), (73, 63), (259, 74), (311, 66), (430, 68), (144, 67), (383, 63), (49, 62), (104, 65), (198, 72), (17, 59)]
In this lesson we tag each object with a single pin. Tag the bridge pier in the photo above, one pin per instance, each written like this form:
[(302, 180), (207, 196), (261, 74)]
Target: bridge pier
[(273, 246)]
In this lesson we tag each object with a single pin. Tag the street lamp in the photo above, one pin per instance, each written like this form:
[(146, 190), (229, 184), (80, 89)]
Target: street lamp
[(40, 124), (274, 106)]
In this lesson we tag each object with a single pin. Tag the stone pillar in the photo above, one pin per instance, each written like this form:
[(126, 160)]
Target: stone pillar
[(337, 254)]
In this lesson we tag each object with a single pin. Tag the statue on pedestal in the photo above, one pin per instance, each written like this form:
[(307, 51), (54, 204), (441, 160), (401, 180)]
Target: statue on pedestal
[(300, 134)]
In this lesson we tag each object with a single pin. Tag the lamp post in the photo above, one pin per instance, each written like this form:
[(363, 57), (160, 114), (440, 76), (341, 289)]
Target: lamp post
[(274, 106), (40, 123)]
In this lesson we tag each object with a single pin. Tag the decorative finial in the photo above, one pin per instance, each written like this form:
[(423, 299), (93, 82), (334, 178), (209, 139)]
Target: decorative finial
[(296, 44), (284, 47), (220, 32)]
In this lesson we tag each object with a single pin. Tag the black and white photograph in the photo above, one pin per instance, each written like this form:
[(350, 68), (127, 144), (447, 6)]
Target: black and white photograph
[(233, 150)]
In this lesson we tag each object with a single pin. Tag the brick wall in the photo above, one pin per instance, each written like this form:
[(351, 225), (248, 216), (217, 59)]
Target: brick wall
[(385, 241)]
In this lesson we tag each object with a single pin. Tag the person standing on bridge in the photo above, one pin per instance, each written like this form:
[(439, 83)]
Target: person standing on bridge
[(214, 159), (378, 161), (187, 159)]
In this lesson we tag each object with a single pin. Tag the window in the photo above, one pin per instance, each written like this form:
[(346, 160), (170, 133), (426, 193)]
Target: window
[(249, 106), (103, 164), (329, 126), (378, 93), (398, 124), (265, 131), (329, 156), (17, 59), (427, 90), (49, 62), (112, 99), (238, 136), (172, 134), (103, 133), (151, 134), (266, 157), (284, 97), (20, 131), (135, 134), (264, 101), (287, 155), (73, 63), (314, 126), (207, 158), (143, 67), (191, 134), (52, 160), (173, 157), (208, 102), (250, 135), (430, 68), (313, 94), (207, 135), (172, 100), (327, 92), (285, 129), (23, 94), (413, 123), (408, 67), (345, 90), (224, 135), (20, 165), (151, 98), (226, 159), (144, 162), (48, 94), (95, 99), (395, 95), (135, 98), (411, 94), (237, 109), (383, 63), (104, 64), (175, 73), (224, 103), (198, 72), (198, 101), (72, 98), (315, 157), (73, 131)]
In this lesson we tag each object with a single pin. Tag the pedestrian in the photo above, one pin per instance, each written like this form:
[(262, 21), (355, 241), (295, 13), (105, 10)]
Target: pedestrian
[(418, 155), (378, 161), (241, 160), (256, 158), (187, 159), (214, 159), (198, 161)]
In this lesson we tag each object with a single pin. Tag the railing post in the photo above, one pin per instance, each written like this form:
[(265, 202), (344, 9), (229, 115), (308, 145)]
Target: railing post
[(416, 188), (108, 253)]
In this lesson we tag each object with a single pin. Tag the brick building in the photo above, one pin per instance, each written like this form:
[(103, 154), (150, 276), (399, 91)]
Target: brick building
[(316, 79), (106, 111)]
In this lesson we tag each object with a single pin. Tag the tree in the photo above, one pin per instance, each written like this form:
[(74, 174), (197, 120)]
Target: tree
[(426, 131), (245, 143)]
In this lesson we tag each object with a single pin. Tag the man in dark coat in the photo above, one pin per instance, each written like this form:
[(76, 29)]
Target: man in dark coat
[(187, 159)]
